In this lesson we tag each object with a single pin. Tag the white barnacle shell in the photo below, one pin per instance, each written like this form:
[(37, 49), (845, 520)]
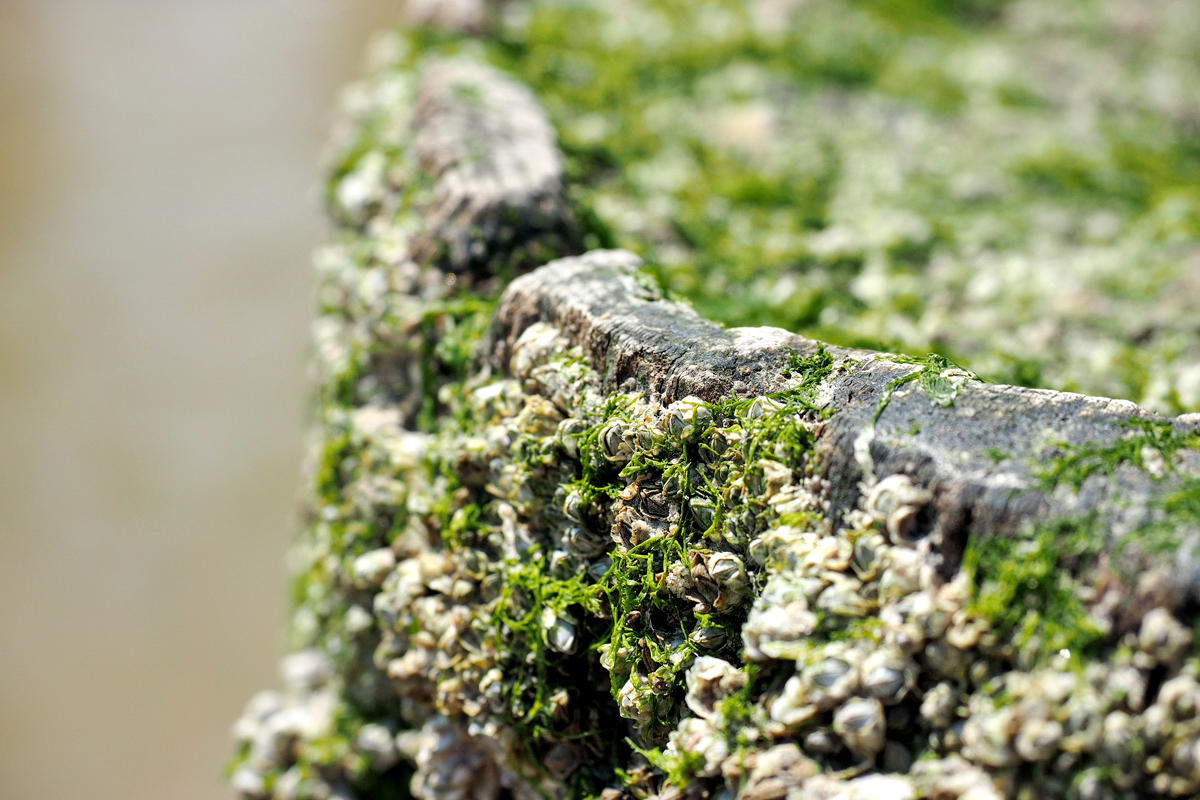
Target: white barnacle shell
[(1118, 736), (369, 569), (897, 503), (862, 726), (560, 630), (953, 776), (844, 598), (371, 494), (696, 738), (827, 554), (1127, 685), (940, 704), (1155, 724), (834, 675), (964, 630), (792, 707), (635, 699), (775, 477), (497, 399), (358, 620), (709, 681), (1038, 739), (659, 511), (888, 674), (1180, 695), (687, 418), (580, 540), (987, 738), (761, 407), (715, 447), (364, 186), (248, 782), (783, 546), (1057, 685), (378, 744), (1082, 717), (729, 572), (710, 637), (882, 787), (452, 765), (902, 575), (924, 609), (535, 346), (795, 500), (907, 637), (642, 434), (600, 567), (779, 621), (672, 488), (703, 511), (822, 740), (1164, 637), (573, 505), (777, 631), (296, 783), (306, 670), (491, 685), (776, 770), (260, 708), (867, 556), (567, 435), (1186, 760), (612, 442)]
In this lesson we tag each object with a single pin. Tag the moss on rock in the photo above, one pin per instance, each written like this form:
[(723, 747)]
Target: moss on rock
[(532, 571)]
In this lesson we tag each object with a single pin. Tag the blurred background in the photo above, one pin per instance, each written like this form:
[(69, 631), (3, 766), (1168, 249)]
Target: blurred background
[(156, 161)]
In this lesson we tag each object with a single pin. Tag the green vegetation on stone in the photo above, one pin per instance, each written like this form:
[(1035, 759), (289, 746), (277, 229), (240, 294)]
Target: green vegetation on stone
[(939, 377), (904, 176), (1027, 587), (1147, 439)]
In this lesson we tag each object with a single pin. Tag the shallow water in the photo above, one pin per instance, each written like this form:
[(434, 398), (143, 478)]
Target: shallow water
[(156, 160)]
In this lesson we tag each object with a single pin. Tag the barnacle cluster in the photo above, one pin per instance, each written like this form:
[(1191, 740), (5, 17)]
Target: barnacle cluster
[(896, 684), (519, 581), (1008, 182), (562, 590), (504, 592)]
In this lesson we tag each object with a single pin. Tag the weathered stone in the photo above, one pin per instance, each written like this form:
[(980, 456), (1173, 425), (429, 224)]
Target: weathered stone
[(637, 341), (550, 519)]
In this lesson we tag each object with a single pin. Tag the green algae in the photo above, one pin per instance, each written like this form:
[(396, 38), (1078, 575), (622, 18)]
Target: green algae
[(732, 149), (939, 377), (1146, 438), (739, 236), (1027, 587)]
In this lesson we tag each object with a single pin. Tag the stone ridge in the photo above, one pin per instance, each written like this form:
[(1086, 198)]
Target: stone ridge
[(573, 540), (493, 156), (636, 340)]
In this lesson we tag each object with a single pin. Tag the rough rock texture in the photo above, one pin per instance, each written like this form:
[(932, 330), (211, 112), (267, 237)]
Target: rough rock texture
[(1011, 184), (568, 539), (486, 142), (481, 176), (977, 455)]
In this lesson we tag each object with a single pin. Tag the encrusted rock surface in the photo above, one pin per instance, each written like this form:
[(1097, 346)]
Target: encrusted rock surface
[(976, 452), (567, 538), (468, 156)]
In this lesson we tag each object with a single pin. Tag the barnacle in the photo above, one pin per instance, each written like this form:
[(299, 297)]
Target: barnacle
[(862, 726), (521, 553)]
